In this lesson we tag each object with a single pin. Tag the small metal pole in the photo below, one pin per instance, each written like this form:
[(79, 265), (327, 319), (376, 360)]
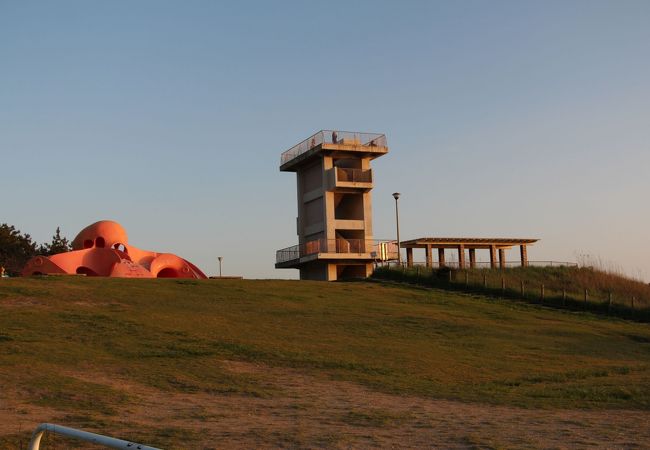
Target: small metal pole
[(399, 254), (484, 280), (450, 276), (523, 289), (586, 296), (542, 293), (563, 296), (632, 302), (503, 285)]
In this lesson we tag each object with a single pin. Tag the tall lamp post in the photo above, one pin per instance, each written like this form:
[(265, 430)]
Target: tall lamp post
[(399, 253), (219, 258)]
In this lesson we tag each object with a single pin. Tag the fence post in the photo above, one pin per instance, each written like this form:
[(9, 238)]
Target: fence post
[(632, 302), (417, 273), (450, 276), (586, 296), (542, 293), (523, 289), (466, 279), (503, 285), (563, 296), (609, 301), (484, 280)]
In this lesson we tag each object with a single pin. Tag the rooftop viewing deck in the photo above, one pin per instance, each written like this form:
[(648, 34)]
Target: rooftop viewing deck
[(334, 140)]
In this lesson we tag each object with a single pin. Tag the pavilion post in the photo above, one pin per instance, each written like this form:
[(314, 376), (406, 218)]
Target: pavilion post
[(523, 251), (502, 258), (427, 250), (461, 256), (493, 256), (441, 257), (409, 257), (472, 258)]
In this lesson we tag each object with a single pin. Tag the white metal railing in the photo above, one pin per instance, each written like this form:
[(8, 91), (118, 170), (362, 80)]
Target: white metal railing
[(380, 250), (35, 443), (337, 137)]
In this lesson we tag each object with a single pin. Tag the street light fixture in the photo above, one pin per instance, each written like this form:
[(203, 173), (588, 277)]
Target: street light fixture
[(399, 253), (219, 258)]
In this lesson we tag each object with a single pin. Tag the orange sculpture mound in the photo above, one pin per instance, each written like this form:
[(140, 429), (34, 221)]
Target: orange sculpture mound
[(102, 250)]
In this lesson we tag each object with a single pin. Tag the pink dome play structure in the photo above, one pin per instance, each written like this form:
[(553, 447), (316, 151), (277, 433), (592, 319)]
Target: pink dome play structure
[(103, 250)]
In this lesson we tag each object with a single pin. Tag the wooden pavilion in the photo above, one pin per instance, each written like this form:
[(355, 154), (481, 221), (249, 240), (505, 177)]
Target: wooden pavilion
[(493, 245)]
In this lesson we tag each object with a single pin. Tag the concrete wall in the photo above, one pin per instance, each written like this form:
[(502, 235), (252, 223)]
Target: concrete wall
[(325, 212)]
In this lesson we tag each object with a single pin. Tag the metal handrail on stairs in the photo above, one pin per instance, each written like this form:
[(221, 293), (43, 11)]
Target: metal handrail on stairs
[(106, 441)]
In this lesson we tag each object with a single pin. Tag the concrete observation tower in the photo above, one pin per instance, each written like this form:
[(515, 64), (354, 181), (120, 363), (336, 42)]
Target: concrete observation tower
[(334, 223)]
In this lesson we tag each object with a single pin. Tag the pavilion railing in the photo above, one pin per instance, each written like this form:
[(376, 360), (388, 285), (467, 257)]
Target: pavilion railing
[(333, 137)]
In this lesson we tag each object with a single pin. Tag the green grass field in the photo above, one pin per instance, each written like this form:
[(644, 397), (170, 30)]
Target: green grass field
[(177, 336)]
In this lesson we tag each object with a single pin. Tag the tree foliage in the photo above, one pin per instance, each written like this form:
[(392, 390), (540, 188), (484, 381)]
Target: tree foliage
[(58, 245), (15, 249)]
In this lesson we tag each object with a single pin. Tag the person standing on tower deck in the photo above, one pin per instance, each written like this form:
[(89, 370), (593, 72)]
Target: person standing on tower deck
[(334, 137)]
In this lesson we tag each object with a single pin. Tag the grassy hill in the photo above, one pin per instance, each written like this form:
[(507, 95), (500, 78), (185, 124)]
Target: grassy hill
[(112, 355), (581, 288)]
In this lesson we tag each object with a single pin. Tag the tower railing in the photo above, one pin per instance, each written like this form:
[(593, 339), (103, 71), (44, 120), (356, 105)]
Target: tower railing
[(376, 249), (335, 137), (344, 174)]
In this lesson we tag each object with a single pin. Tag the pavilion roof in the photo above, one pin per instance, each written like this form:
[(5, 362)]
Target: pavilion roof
[(446, 242)]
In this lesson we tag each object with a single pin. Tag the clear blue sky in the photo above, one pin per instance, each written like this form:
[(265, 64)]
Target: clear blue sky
[(504, 118)]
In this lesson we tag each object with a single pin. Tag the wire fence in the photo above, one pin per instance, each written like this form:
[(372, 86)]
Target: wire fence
[(482, 264), (508, 286)]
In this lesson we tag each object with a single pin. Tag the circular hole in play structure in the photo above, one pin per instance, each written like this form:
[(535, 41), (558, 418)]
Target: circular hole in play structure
[(83, 270), (120, 247), (168, 272)]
